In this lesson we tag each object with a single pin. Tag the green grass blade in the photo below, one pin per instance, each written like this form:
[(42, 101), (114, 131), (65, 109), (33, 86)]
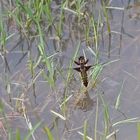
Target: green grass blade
[(85, 130), (49, 134), (138, 130), (32, 131), (131, 120), (117, 104), (96, 71), (18, 134)]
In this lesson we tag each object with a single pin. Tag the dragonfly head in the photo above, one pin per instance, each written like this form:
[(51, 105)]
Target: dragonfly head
[(82, 60)]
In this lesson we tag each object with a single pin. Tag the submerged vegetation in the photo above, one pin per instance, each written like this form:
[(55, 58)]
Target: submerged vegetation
[(41, 95)]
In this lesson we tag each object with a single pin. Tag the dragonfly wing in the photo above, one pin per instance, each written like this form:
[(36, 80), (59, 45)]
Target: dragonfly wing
[(76, 62), (77, 69), (88, 67)]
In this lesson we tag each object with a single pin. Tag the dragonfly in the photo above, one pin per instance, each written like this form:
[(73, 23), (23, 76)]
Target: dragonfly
[(83, 68)]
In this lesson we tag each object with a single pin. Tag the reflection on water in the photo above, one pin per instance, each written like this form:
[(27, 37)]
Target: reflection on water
[(82, 101)]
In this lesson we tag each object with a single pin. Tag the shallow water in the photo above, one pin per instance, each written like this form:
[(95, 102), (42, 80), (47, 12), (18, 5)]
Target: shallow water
[(124, 71)]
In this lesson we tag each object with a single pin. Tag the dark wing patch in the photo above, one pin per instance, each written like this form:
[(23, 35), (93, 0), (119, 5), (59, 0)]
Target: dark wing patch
[(87, 67), (77, 69), (76, 62)]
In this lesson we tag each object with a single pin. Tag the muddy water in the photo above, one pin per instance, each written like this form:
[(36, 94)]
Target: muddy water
[(125, 71)]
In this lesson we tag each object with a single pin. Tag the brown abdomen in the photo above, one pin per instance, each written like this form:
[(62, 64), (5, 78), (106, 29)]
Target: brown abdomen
[(84, 78)]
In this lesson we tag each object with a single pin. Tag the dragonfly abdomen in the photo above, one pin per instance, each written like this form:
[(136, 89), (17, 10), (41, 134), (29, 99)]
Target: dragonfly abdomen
[(84, 78)]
